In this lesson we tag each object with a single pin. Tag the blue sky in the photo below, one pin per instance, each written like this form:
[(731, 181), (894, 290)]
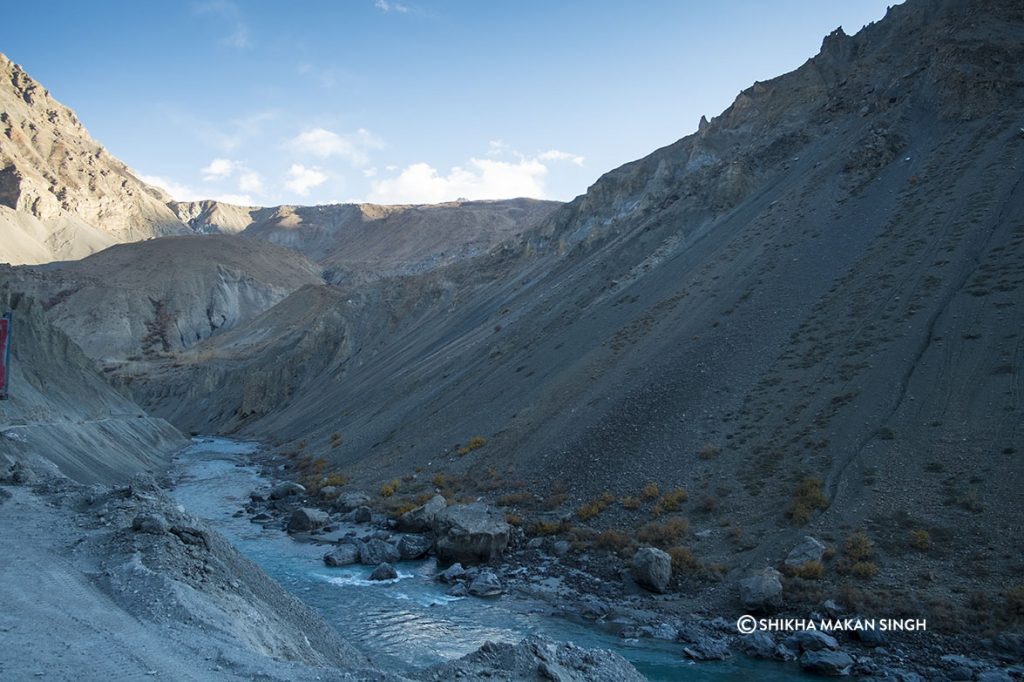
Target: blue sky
[(415, 101)]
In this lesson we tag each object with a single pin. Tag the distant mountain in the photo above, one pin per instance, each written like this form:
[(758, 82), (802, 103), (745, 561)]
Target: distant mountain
[(357, 242), (62, 195)]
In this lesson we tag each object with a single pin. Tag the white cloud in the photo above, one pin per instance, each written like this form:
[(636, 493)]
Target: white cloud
[(302, 179), (219, 169), (370, 172), (250, 181), (237, 199), (556, 155), (421, 183), (388, 6), (177, 190), (323, 143)]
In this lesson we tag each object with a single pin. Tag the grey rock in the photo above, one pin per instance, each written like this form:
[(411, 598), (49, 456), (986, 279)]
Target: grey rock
[(306, 519), (831, 607), (762, 591), (809, 549), (149, 523), (414, 546), (286, 489), (758, 645), (994, 676), (422, 518), (652, 569), (470, 534), (871, 638), (707, 649), (329, 492), (348, 501), (826, 662), (486, 584), (343, 555), (458, 590), (561, 547), (452, 573), (535, 543), (384, 571), (375, 551), (811, 640), (362, 514), (592, 607)]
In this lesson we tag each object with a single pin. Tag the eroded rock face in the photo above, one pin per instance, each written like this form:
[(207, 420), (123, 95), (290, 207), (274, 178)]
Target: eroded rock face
[(470, 534), (652, 569)]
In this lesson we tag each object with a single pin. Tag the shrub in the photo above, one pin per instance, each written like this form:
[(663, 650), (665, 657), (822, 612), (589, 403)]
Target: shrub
[(440, 480), (864, 569), (475, 443), (630, 502), (389, 489), (807, 498), (613, 540), (335, 478), (708, 504), (335, 439), (650, 491), (709, 451), (550, 527), (921, 540), (513, 499), (670, 502), (664, 534), (858, 546), (810, 570), (683, 559), (513, 519), (591, 509), (556, 496)]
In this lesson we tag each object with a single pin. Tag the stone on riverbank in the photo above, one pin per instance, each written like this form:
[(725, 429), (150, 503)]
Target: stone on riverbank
[(470, 534)]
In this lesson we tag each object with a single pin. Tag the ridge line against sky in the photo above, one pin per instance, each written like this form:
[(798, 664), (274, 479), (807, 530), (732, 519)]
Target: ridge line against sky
[(259, 103)]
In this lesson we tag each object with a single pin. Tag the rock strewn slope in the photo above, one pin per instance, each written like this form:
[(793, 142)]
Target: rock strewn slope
[(62, 195)]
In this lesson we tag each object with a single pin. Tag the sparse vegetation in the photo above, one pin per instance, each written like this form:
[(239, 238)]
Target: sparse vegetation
[(709, 451), (921, 540), (594, 507), (336, 479), (389, 489), (664, 534), (683, 559), (810, 570), (650, 491), (630, 502), (475, 443), (808, 497), (670, 502), (858, 551), (550, 527), (614, 541)]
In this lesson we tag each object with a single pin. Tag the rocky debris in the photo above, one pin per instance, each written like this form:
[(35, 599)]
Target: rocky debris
[(707, 649), (811, 640), (470, 534), (286, 489), (149, 523), (376, 551), (347, 502), (871, 637), (306, 519), (762, 591), (16, 474), (421, 519), (535, 658), (652, 569), (809, 549), (414, 546), (384, 571), (994, 676), (452, 574), (329, 492), (485, 584), (191, 536), (343, 555), (825, 662)]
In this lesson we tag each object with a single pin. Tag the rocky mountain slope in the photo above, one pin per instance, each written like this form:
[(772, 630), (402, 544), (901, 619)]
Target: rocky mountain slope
[(357, 242), (62, 195), (806, 315)]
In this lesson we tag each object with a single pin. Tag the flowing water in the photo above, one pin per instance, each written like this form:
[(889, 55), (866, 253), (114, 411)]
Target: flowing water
[(410, 622)]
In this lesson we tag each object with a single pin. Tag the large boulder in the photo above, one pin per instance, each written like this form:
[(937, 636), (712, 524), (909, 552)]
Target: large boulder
[(811, 640), (486, 584), (414, 546), (809, 549), (762, 591), (826, 662), (384, 572), (286, 489), (343, 555), (305, 519), (421, 519), (470, 534), (652, 569), (376, 551)]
